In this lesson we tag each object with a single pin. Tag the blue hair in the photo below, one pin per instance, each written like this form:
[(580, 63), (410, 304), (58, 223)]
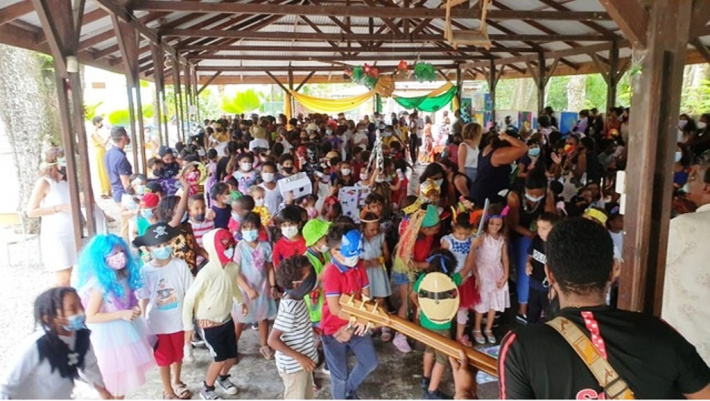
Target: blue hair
[(92, 264)]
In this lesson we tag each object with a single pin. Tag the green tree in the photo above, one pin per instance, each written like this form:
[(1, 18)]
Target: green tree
[(557, 93), (596, 92)]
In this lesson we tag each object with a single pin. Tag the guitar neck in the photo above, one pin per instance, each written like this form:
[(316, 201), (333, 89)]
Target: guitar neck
[(477, 359)]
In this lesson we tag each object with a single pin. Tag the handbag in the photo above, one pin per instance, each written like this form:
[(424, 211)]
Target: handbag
[(615, 388)]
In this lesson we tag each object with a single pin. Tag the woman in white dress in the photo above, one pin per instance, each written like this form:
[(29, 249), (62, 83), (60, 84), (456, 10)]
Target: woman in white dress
[(51, 202)]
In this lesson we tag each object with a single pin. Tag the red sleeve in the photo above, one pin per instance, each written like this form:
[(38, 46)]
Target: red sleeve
[(363, 276), (277, 253), (331, 283)]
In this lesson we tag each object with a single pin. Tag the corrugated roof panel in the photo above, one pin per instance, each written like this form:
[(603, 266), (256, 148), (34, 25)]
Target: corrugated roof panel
[(584, 5)]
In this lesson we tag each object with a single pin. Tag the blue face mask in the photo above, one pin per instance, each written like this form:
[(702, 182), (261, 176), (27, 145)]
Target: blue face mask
[(147, 213), (140, 189), (162, 253), (250, 235), (75, 322), (534, 152)]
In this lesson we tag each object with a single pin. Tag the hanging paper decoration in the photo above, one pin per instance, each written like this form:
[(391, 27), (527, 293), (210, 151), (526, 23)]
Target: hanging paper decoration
[(424, 72), (374, 72), (357, 74), (433, 101)]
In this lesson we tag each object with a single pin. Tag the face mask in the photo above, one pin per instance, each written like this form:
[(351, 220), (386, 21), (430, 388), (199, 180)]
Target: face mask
[(351, 261), (363, 177), (75, 322), (185, 216), (533, 199), (345, 171), (229, 253), (686, 188), (117, 261), (147, 213), (682, 123), (289, 232), (140, 189), (246, 166), (200, 217), (250, 235), (569, 148), (323, 249), (534, 152), (268, 177), (62, 161), (388, 134), (259, 202), (702, 125), (237, 217), (162, 253), (362, 131), (438, 182), (288, 170), (381, 127), (678, 156), (329, 132), (157, 173), (307, 285), (379, 179)]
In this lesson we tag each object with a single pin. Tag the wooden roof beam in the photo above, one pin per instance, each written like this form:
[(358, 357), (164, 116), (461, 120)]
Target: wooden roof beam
[(339, 58), (632, 17), (15, 11), (383, 69), (359, 11), (321, 49), (559, 7), (700, 17)]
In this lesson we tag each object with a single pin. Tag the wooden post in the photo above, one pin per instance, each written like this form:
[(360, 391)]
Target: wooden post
[(613, 80), (195, 94), (288, 99), (61, 24), (189, 101), (159, 85), (178, 98), (542, 82), (492, 83), (459, 84), (657, 90)]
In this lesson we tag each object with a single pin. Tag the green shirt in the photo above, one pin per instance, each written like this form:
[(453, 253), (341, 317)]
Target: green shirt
[(423, 320), (315, 304)]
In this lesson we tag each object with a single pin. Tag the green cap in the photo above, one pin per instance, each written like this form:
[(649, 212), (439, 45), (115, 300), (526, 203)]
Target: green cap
[(314, 230), (431, 218)]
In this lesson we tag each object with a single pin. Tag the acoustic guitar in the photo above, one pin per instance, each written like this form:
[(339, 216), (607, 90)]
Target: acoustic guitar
[(371, 315)]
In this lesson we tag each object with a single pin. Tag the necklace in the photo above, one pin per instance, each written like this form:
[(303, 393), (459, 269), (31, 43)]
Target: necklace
[(526, 207)]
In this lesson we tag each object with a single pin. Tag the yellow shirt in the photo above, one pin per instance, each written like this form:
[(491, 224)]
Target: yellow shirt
[(214, 291)]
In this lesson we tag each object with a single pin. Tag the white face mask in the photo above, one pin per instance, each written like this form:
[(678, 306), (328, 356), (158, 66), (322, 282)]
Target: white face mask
[(534, 199), (323, 249), (259, 202), (702, 125), (229, 253), (268, 177), (682, 123), (246, 166), (345, 171), (439, 182), (289, 231), (678, 156), (351, 261)]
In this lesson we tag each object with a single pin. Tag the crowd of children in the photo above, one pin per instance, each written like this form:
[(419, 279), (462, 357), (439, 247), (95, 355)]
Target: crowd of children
[(223, 240)]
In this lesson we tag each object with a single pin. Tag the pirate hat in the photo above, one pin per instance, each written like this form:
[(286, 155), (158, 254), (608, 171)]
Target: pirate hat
[(157, 234)]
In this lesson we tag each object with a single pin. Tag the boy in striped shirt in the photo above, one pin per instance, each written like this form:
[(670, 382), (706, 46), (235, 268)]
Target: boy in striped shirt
[(199, 222), (292, 335)]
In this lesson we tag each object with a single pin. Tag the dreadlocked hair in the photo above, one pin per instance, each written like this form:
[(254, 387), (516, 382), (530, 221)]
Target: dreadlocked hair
[(92, 265), (50, 346)]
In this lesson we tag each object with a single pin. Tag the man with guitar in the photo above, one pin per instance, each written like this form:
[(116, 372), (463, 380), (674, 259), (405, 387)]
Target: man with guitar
[(589, 350)]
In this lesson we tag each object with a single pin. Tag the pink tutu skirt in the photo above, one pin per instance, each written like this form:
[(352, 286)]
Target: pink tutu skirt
[(124, 354)]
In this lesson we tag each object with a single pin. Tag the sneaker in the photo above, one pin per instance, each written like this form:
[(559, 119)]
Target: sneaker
[(435, 395), (352, 396), (523, 319), (187, 354), (208, 393), (227, 385), (255, 326), (400, 342), (490, 337), (424, 383), (325, 369)]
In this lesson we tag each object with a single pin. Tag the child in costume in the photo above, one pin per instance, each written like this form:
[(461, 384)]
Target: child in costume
[(489, 258), (410, 256), (108, 279), (256, 281), (318, 253), (435, 362), (165, 282), (52, 359), (209, 301)]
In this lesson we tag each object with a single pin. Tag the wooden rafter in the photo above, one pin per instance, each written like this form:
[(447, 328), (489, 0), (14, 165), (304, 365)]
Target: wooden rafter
[(632, 17), (15, 11)]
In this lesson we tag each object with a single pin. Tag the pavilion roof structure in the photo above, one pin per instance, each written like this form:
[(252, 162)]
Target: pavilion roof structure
[(236, 41)]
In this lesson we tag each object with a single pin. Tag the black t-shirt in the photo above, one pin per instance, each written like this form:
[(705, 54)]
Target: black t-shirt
[(655, 360), (221, 169), (537, 251)]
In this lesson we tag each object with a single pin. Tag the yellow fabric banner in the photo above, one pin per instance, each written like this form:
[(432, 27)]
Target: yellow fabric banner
[(322, 105)]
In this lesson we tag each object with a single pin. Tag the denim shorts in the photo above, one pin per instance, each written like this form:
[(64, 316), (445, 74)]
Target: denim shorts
[(400, 278)]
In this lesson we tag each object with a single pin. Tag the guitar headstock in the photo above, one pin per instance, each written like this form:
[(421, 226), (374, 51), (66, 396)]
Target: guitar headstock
[(362, 311)]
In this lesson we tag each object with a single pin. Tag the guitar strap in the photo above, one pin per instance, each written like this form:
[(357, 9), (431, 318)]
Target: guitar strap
[(614, 386)]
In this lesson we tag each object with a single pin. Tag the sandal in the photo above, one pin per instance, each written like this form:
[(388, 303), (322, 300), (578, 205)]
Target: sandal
[(490, 337), (181, 391), (463, 340), (169, 396), (266, 352), (479, 337), (386, 335)]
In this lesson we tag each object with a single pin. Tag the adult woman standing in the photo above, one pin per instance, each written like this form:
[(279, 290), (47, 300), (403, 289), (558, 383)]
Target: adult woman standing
[(99, 142), (700, 142), (494, 166), (50, 200), (468, 150)]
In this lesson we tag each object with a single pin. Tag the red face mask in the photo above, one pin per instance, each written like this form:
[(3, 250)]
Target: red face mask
[(223, 241)]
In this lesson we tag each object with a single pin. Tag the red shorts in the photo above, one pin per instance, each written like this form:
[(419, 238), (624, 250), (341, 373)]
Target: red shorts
[(169, 348)]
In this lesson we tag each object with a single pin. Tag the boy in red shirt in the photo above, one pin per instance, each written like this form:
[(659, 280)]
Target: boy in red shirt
[(345, 275), (292, 242)]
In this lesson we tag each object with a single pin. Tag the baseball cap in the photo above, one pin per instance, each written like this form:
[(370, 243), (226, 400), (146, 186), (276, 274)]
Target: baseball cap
[(150, 200), (314, 230), (350, 244), (157, 234)]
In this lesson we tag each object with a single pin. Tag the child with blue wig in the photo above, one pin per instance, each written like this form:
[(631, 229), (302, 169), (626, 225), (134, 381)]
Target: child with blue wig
[(108, 278)]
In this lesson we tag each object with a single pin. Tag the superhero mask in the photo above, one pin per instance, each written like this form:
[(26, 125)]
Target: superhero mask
[(438, 298), (223, 241)]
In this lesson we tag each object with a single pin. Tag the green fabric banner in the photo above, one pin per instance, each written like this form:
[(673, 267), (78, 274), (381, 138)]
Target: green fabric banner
[(425, 103)]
